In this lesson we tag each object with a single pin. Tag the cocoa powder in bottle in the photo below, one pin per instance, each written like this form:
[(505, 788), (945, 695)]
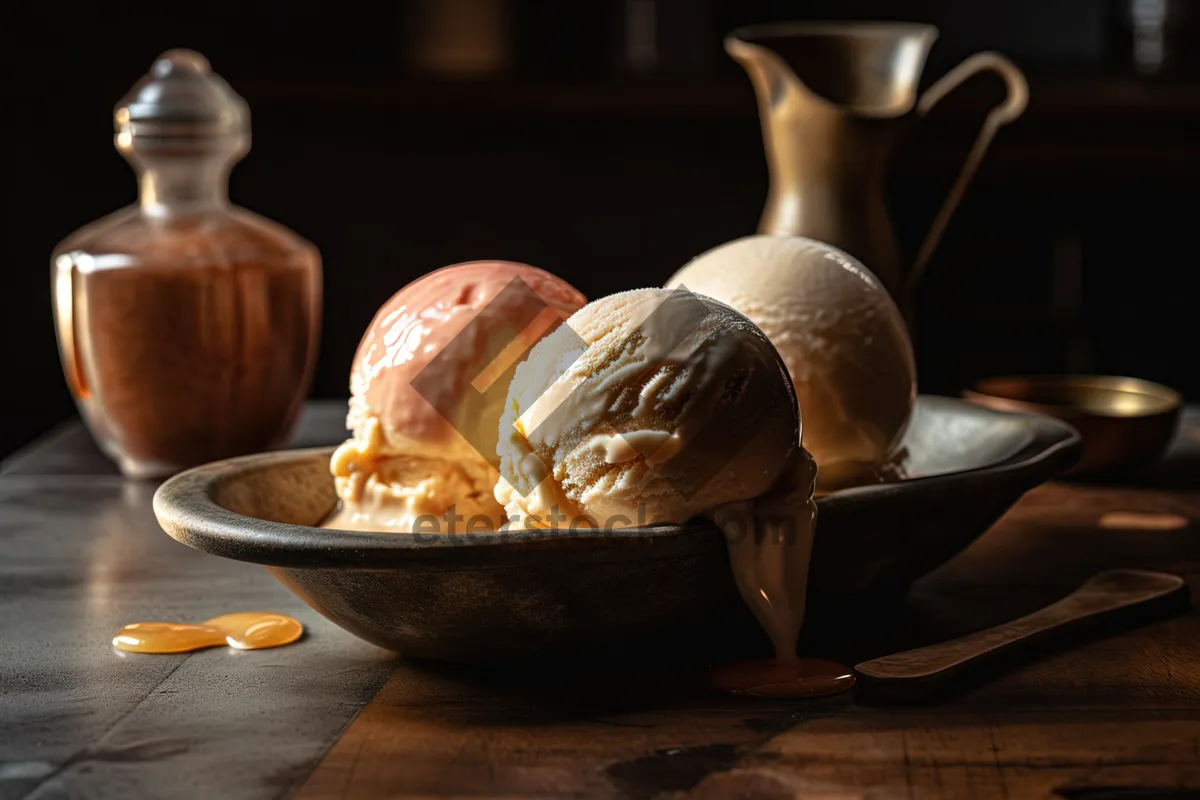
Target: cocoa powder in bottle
[(188, 326)]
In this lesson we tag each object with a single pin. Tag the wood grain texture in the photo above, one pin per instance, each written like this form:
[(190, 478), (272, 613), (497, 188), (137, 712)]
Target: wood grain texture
[(1120, 711)]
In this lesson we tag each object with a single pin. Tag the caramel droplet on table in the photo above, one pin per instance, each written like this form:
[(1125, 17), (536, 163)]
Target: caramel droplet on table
[(245, 630), (256, 630), (166, 637), (791, 679)]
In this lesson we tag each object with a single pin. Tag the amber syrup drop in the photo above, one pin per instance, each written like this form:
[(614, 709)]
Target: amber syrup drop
[(244, 630)]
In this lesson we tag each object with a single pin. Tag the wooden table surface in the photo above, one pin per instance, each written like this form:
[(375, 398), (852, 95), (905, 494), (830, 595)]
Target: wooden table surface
[(81, 554)]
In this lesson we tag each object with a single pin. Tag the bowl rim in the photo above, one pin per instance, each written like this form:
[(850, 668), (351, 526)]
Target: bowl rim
[(986, 390), (186, 510)]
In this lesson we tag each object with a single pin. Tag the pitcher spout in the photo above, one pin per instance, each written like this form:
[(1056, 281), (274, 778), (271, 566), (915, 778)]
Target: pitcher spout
[(864, 69)]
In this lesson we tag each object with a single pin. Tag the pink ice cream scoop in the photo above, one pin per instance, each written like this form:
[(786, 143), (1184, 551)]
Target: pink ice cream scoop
[(428, 386)]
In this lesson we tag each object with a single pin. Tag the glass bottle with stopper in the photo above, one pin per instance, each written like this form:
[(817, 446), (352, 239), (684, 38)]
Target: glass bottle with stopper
[(187, 326)]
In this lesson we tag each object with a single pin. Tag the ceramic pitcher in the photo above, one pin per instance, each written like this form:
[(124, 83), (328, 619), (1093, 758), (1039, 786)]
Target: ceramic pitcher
[(834, 98)]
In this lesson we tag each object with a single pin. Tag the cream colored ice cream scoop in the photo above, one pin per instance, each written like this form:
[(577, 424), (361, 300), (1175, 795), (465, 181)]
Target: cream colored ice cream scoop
[(839, 333), (647, 406)]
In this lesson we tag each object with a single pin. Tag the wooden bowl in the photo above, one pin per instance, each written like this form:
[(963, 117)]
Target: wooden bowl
[(1126, 423), (477, 596)]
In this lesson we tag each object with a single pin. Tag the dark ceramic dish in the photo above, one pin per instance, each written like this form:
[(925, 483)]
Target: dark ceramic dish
[(463, 597)]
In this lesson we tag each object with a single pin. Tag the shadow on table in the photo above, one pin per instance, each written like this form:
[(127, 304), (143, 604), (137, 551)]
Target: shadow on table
[(671, 669)]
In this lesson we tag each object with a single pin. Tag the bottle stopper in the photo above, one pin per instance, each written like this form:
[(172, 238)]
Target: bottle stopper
[(182, 100)]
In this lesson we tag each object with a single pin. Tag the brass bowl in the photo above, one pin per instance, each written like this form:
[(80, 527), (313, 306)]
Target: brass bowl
[(1126, 423)]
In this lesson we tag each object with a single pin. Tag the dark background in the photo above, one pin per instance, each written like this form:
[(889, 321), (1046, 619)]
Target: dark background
[(613, 164)]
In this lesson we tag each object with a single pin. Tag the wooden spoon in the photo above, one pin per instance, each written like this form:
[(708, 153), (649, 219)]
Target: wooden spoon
[(1108, 602)]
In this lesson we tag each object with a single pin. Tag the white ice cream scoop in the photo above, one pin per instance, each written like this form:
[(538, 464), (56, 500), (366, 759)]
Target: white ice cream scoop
[(841, 336)]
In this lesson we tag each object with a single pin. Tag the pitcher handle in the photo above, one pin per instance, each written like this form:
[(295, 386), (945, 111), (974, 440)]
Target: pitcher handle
[(1008, 111)]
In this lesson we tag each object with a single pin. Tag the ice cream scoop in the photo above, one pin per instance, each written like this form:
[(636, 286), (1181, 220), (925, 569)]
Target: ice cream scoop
[(647, 406), (841, 336), (427, 388)]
